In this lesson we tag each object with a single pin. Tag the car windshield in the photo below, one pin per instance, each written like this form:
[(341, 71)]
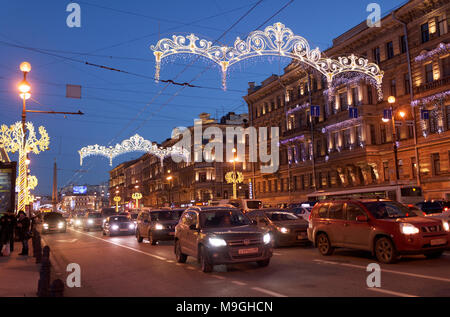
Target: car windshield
[(431, 207), (223, 219), (281, 216), (94, 215), (119, 219), (254, 204), (133, 216), (164, 215), (52, 216), (388, 210)]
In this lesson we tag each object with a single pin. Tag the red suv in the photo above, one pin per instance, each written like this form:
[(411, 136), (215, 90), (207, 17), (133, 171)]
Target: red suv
[(386, 228)]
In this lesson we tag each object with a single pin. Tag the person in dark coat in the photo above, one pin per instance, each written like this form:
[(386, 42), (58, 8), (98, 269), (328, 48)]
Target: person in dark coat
[(8, 223), (23, 225)]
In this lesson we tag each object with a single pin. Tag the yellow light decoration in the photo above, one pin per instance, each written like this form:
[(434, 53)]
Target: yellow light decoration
[(117, 199), (134, 144), (32, 183), (137, 197), (234, 178), (276, 40), (12, 140)]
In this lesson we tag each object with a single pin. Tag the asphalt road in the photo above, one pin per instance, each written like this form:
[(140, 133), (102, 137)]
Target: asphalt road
[(120, 266)]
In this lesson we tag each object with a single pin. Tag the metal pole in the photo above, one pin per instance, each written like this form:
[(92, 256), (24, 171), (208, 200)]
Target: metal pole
[(394, 142), (312, 135)]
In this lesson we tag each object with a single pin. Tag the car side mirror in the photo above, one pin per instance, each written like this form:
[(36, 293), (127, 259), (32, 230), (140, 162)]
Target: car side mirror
[(362, 219)]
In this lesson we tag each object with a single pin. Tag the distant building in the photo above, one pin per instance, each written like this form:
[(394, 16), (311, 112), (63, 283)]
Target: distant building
[(84, 197)]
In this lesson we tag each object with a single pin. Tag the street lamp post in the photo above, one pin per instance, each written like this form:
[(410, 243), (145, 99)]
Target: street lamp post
[(391, 101), (169, 178)]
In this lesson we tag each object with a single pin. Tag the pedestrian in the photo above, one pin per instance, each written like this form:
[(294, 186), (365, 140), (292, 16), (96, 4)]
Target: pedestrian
[(8, 223), (24, 231)]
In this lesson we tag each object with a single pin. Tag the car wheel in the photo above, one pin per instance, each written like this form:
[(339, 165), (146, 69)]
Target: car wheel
[(104, 233), (385, 251), (150, 238), (434, 255), (181, 257), (324, 244), (207, 267), (87, 229), (263, 263), (138, 237)]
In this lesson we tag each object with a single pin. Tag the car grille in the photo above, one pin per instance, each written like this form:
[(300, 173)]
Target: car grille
[(244, 242), (431, 229), (124, 225)]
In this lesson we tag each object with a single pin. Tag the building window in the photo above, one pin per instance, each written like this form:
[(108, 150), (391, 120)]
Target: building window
[(447, 111), (429, 73), (410, 130), (402, 44), (436, 163), (425, 32), (376, 55), (383, 133), (393, 88), (406, 83), (355, 96), (413, 167), (446, 66), (386, 171), (389, 50), (373, 136), (433, 122), (442, 26), (369, 95), (347, 141), (400, 168), (343, 101)]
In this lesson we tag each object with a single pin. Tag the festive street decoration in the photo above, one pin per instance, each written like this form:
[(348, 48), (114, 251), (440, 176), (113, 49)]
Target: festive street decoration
[(429, 99), (298, 108), (12, 139), (275, 40), (436, 112), (234, 178), (441, 49), (137, 197), (342, 124), (117, 199), (32, 183), (134, 144)]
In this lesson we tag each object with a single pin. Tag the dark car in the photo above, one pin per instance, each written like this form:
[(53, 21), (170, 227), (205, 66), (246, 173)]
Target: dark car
[(53, 222), (156, 225), (92, 220), (115, 225), (431, 207), (215, 235), (285, 227), (386, 228), (106, 212)]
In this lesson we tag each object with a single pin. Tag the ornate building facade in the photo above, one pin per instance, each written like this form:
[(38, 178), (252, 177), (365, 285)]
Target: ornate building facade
[(340, 150)]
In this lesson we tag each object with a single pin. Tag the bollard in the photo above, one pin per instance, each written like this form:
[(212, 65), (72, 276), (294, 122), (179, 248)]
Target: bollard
[(44, 278), (46, 252), (34, 238), (57, 288)]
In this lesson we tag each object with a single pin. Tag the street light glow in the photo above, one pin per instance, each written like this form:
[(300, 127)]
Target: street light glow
[(25, 67), (391, 99), (24, 86), (402, 114)]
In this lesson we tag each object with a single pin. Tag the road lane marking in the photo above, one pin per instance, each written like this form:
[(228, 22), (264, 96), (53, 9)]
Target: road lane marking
[(388, 292), (123, 246), (276, 253), (239, 283), (265, 291), (435, 278), (218, 277), (170, 261)]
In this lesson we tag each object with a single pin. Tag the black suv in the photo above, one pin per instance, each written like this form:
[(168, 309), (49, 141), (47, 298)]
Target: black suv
[(220, 235)]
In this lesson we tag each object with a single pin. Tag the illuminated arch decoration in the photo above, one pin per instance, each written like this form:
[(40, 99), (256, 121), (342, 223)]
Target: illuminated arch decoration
[(275, 40), (134, 144)]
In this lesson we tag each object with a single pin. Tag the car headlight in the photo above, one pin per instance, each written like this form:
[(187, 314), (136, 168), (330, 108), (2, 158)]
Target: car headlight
[(267, 238), (90, 221), (78, 222), (45, 225), (407, 228), (217, 242), (114, 227), (131, 226), (60, 225), (283, 230), (445, 225), (159, 226)]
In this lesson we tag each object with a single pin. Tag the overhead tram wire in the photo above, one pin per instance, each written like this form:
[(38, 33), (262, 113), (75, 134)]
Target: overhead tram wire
[(164, 88)]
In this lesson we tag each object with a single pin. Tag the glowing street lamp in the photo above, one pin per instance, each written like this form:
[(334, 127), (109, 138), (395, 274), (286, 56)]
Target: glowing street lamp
[(391, 101), (117, 199), (137, 197)]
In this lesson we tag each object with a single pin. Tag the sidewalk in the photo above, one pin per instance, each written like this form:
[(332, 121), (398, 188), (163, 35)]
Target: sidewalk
[(19, 274)]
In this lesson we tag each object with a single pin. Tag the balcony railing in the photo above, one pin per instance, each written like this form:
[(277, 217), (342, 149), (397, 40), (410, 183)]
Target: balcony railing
[(432, 85)]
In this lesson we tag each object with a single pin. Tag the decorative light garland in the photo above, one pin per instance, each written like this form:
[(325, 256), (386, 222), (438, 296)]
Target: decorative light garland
[(342, 125), (436, 112), (441, 49), (276, 40), (12, 140), (429, 99), (234, 178), (134, 144), (298, 108), (293, 139)]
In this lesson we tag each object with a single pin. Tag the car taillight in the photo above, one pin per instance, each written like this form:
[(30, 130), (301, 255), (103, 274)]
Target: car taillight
[(310, 216), (445, 208)]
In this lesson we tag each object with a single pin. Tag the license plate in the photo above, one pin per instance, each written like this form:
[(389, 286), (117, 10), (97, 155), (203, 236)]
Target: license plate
[(438, 241), (248, 251), (123, 229), (171, 233), (301, 236)]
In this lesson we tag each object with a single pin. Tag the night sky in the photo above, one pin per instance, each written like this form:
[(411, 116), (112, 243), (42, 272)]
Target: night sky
[(118, 34)]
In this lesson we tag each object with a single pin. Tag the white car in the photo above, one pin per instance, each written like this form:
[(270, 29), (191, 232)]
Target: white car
[(302, 212)]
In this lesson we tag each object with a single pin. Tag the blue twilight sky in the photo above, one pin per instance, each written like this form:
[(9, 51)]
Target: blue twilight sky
[(118, 34)]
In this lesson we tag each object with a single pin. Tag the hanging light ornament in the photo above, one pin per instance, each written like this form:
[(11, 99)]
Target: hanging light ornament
[(275, 40)]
